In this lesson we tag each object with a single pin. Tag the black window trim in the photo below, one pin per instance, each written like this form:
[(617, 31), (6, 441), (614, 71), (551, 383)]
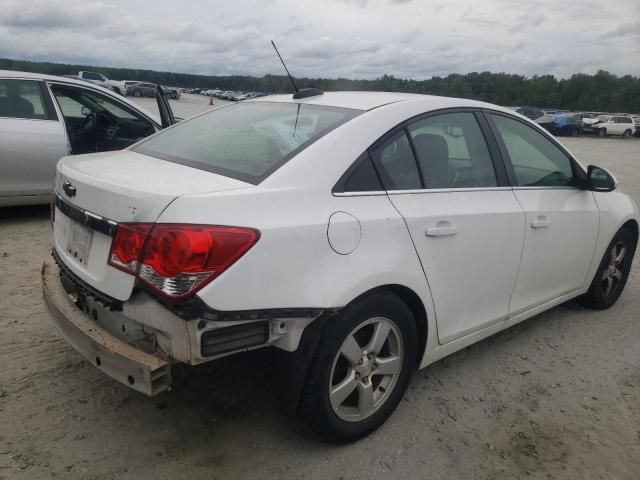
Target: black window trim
[(578, 172), (339, 187), (502, 179)]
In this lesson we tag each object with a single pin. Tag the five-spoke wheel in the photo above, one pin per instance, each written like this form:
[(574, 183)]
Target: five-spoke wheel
[(361, 367), (365, 369), (612, 273)]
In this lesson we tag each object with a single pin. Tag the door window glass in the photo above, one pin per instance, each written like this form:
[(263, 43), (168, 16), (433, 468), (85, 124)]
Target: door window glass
[(21, 99), (396, 164), (452, 152), (536, 161), (71, 100)]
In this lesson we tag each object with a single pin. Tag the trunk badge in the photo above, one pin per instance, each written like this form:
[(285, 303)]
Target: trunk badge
[(69, 189)]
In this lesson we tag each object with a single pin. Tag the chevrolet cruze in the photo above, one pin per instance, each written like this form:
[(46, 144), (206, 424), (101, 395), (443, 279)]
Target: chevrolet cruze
[(368, 234)]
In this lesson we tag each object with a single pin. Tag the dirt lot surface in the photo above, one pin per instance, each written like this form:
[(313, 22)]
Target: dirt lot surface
[(557, 397)]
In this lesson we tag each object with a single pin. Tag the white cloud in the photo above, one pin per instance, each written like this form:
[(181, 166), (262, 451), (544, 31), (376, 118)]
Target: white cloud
[(346, 38)]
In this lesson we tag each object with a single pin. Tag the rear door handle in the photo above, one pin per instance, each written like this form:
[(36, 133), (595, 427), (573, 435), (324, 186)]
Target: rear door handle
[(540, 222), (441, 229)]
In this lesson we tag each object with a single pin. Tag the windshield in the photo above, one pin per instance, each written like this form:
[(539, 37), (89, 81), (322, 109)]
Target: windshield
[(246, 141)]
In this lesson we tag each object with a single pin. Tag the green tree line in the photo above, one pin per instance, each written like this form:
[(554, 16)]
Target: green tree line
[(602, 91)]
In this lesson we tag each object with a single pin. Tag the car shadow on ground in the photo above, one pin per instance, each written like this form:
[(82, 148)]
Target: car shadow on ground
[(32, 213), (243, 392)]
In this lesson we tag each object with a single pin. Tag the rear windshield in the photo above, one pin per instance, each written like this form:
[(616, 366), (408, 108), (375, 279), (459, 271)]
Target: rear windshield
[(245, 141)]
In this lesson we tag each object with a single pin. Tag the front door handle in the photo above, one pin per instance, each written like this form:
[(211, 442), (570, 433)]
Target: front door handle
[(441, 229), (540, 222)]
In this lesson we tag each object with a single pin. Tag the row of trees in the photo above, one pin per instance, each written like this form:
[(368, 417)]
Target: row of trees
[(600, 92)]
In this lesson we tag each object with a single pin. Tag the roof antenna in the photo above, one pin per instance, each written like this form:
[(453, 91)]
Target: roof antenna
[(305, 92)]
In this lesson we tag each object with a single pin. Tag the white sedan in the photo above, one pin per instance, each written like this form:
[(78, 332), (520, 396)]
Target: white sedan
[(368, 234)]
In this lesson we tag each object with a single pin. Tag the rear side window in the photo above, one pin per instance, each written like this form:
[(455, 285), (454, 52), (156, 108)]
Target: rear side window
[(536, 161), (452, 152), (22, 99), (361, 177), (245, 141), (396, 164)]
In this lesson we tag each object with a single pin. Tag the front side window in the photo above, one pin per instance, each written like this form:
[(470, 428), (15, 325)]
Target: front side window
[(246, 141), (98, 123), (22, 99), (452, 152), (396, 164), (536, 161)]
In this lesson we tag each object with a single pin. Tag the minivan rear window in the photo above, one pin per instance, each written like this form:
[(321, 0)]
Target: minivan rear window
[(246, 141)]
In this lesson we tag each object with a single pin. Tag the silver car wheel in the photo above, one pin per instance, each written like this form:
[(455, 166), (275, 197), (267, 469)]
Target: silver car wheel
[(366, 369), (612, 275)]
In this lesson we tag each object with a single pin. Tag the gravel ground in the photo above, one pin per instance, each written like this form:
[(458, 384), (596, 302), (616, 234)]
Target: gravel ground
[(555, 397)]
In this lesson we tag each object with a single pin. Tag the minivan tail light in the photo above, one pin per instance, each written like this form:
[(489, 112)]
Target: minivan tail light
[(178, 260)]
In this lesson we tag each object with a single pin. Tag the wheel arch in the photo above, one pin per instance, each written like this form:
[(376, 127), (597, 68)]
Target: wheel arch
[(415, 304), (632, 226)]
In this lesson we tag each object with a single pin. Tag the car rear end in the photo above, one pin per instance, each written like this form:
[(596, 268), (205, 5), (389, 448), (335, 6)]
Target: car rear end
[(124, 287), (104, 211)]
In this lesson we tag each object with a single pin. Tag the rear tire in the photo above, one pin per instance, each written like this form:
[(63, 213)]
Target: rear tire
[(612, 274), (361, 368), (626, 134)]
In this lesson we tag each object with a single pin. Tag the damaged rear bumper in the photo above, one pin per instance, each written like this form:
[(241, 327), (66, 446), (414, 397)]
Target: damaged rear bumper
[(135, 368)]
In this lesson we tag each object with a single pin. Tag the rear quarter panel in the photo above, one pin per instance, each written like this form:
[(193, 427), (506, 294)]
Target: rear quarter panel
[(293, 264)]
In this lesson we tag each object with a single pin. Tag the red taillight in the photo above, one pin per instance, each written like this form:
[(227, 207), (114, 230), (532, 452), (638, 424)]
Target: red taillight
[(178, 260), (126, 247)]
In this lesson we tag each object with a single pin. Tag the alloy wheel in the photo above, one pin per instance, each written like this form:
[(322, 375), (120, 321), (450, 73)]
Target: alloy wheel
[(366, 369), (613, 273)]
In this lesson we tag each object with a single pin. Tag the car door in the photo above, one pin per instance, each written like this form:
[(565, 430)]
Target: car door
[(32, 139), (149, 90), (464, 220), (562, 219), (119, 124)]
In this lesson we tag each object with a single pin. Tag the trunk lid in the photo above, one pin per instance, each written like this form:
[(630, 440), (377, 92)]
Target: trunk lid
[(114, 187)]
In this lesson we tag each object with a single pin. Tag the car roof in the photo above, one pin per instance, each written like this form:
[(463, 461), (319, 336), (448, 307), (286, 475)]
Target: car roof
[(39, 76), (371, 100)]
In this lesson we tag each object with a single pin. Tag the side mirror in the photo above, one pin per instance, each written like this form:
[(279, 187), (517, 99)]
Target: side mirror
[(599, 180), (85, 111)]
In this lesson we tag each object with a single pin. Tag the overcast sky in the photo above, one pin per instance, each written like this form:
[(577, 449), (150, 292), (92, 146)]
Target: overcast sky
[(332, 38)]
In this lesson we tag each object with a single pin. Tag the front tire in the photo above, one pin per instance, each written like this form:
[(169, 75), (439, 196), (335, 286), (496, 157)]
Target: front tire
[(626, 134), (612, 274), (361, 368), (602, 132), (137, 94)]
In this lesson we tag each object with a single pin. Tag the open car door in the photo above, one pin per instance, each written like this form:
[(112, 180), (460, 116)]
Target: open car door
[(166, 114)]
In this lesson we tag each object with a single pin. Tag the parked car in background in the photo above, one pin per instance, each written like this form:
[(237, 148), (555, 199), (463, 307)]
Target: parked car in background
[(128, 83), (565, 124), (44, 118), (529, 112), (171, 92), (99, 79), (614, 125), (142, 89), (400, 228), (636, 123)]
